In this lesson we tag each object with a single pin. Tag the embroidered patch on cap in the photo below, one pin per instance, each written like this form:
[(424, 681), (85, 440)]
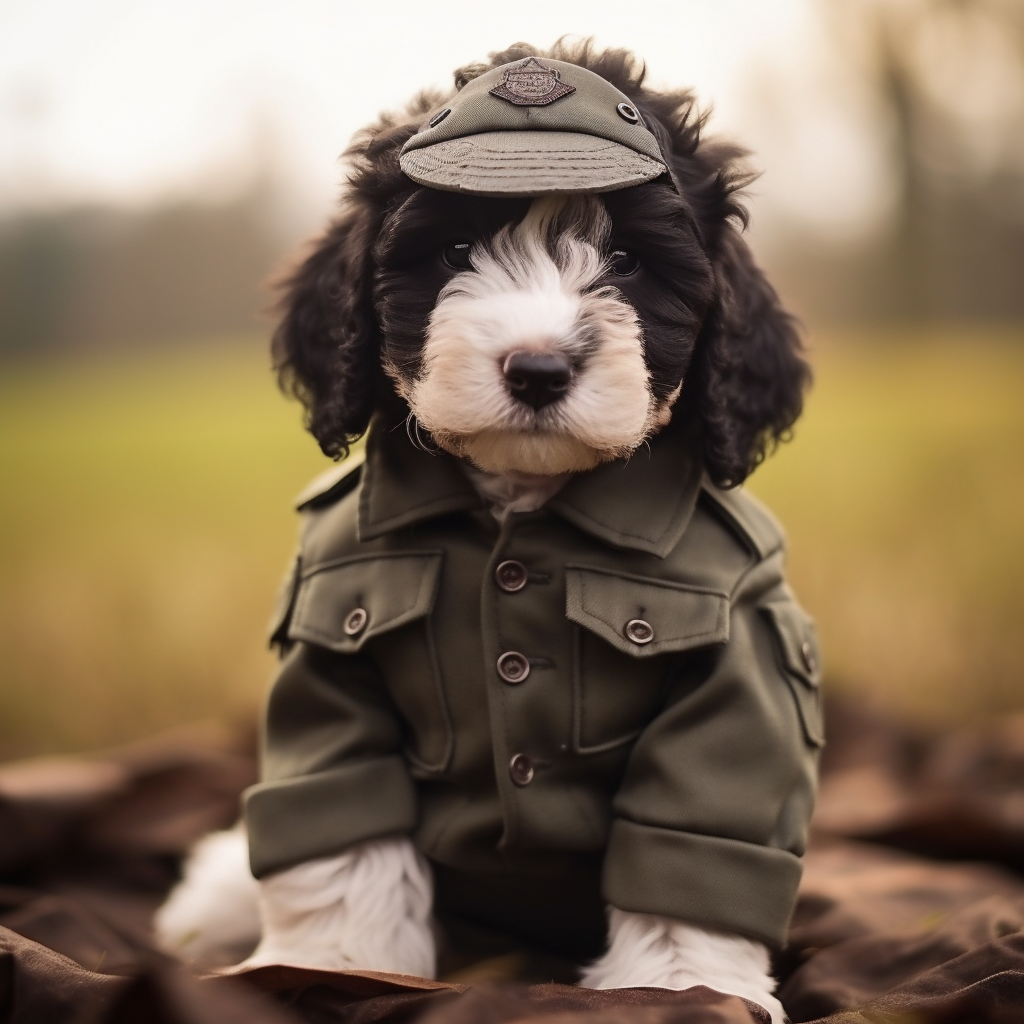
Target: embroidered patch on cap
[(530, 84)]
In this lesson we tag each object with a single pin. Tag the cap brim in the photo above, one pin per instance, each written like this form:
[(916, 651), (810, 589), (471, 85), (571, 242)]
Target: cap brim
[(528, 163)]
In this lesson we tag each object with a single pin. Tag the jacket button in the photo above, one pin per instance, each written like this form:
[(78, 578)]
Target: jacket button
[(513, 667), (511, 576), (520, 768), (355, 621), (638, 631), (807, 653)]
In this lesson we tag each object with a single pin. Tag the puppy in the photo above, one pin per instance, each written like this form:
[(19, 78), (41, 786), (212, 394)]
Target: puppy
[(541, 673)]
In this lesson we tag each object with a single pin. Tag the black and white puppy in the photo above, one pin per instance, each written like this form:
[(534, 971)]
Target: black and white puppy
[(534, 337)]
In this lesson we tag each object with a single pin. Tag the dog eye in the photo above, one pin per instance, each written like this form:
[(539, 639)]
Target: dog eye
[(623, 263), (457, 256)]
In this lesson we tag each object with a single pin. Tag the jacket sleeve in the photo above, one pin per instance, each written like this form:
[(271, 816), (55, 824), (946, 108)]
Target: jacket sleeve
[(333, 773), (712, 814)]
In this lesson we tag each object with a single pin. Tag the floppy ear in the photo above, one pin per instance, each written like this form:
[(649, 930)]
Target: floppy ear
[(747, 371), (326, 349)]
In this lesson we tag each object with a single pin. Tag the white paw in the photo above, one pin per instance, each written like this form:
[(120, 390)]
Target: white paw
[(365, 909), (211, 918), (648, 951)]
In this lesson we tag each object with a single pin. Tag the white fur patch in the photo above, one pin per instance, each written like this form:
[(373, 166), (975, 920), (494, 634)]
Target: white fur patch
[(514, 492), (367, 908), (211, 918), (645, 950), (531, 289)]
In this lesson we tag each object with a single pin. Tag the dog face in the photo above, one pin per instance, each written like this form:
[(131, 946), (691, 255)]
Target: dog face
[(543, 336), (547, 335)]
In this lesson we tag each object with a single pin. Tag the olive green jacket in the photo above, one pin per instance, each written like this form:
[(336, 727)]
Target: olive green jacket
[(664, 710)]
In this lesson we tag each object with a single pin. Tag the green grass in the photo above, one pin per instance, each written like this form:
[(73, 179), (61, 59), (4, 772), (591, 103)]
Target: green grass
[(145, 520), (144, 523), (903, 496)]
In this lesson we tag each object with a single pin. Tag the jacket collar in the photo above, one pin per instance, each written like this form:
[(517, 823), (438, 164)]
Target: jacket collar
[(643, 503), (403, 484)]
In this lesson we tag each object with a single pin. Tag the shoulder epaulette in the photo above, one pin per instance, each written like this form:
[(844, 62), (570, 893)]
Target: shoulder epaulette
[(333, 484), (756, 526)]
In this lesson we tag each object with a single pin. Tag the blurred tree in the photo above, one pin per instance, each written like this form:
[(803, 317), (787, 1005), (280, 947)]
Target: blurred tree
[(947, 80), (94, 277), (952, 74), (38, 267)]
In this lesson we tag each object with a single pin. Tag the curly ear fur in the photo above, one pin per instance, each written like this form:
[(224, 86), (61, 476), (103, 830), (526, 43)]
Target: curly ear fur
[(747, 378), (326, 349), (745, 385)]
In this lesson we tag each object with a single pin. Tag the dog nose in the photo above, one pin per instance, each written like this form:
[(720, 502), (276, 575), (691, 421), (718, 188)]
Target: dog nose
[(537, 378)]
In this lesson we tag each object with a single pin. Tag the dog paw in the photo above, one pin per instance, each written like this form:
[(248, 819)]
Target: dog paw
[(211, 918), (649, 951), (367, 908)]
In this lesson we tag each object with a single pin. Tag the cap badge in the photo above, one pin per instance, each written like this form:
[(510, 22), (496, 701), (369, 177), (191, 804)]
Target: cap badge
[(530, 84)]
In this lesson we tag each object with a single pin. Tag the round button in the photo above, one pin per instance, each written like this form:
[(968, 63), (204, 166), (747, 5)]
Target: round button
[(513, 667), (511, 576), (639, 631), (628, 113), (355, 621), (520, 767), (807, 653), (439, 117)]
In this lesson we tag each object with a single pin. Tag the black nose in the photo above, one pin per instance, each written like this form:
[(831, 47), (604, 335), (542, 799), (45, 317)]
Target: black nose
[(537, 378)]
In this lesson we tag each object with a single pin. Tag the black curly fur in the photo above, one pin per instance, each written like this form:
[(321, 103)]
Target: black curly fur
[(745, 381)]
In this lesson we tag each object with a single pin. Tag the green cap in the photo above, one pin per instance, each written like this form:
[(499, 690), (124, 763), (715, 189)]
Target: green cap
[(534, 127)]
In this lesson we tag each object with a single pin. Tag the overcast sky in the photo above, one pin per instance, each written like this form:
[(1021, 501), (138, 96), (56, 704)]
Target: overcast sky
[(131, 101)]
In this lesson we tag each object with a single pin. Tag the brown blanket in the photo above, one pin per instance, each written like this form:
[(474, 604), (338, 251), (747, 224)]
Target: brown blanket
[(912, 908)]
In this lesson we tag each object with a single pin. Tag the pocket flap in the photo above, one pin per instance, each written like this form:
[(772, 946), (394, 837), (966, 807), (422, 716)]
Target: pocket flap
[(798, 640), (340, 605), (677, 617), (801, 657)]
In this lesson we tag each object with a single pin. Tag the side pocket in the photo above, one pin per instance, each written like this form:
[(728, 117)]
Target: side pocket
[(800, 659)]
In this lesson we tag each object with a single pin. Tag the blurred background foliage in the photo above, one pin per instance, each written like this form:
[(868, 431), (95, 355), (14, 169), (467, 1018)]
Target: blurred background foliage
[(147, 460)]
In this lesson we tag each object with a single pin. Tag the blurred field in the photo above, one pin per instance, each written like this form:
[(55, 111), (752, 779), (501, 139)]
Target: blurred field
[(145, 520), (903, 497)]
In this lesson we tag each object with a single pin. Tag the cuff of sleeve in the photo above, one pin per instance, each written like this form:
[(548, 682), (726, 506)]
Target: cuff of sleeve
[(294, 820), (717, 883)]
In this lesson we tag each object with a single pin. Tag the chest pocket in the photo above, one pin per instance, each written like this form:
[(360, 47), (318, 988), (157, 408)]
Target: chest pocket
[(629, 625), (380, 605)]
